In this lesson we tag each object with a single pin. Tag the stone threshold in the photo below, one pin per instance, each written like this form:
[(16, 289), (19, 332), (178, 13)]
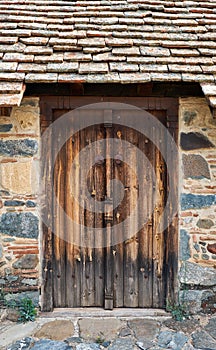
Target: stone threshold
[(100, 312)]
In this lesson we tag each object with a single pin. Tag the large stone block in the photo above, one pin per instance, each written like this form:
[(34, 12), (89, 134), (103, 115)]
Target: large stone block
[(28, 261), (34, 296), (19, 177), (19, 224), (26, 116), (193, 299), (195, 167), (91, 329), (192, 201), (194, 140), (56, 330), (25, 147), (194, 274), (195, 112)]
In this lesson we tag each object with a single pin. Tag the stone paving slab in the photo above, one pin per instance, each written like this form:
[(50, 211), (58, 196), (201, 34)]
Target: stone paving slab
[(197, 333)]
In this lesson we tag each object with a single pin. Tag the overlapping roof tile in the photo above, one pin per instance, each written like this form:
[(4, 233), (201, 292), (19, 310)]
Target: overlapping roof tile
[(106, 41)]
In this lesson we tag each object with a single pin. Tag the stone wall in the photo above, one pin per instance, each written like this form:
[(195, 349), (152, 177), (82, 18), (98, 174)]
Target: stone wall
[(19, 219), (197, 204)]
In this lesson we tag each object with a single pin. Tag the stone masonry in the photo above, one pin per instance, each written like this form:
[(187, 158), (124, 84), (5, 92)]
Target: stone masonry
[(197, 190), (19, 220)]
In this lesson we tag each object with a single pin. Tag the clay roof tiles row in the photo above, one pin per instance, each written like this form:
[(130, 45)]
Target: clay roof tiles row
[(106, 41)]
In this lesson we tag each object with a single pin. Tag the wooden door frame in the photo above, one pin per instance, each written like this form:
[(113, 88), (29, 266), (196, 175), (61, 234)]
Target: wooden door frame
[(47, 105)]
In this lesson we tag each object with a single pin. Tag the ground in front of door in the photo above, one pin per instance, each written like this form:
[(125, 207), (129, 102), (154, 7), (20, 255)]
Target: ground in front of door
[(67, 331)]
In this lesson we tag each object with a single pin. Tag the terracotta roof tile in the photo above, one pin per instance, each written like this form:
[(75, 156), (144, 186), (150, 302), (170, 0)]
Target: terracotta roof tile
[(41, 78), (31, 67), (209, 89), (10, 88), (123, 67), (91, 67), (106, 41), (18, 57), (107, 57), (62, 67)]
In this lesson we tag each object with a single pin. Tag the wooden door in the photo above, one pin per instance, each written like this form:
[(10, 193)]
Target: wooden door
[(130, 264)]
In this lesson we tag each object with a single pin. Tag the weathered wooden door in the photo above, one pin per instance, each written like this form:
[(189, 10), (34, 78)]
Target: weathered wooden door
[(128, 263)]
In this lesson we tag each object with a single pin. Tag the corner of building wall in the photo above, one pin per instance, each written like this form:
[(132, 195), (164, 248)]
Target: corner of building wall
[(19, 205), (197, 205)]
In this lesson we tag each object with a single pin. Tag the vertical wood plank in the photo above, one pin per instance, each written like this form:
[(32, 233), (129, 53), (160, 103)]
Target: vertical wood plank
[(119, 217), (47, 238), (59, 241), (99, 187), (69, 209), (159, 201), (145, 217), (109, 219), (87, 278), (131, 243)]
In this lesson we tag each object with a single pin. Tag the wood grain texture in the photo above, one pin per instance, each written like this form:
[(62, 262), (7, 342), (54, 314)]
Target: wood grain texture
[(140, 270)]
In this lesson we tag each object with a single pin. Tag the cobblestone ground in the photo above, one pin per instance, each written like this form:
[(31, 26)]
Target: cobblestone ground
[(116, 333)]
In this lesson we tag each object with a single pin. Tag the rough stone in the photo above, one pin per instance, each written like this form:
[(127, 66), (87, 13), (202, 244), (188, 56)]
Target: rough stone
[(205, 223), (13, 148), (4, 193), (31, 204), (122, 344), (172, 340), (191, 273), (34, 296), (184, 250), (194, 299), (5, 127), (185, 326), (26, 116), (28, 261), (192, 201), (211, 327), (19, 177), (165, 338), (56, 330), (144, 345), (1, 251), (47, 344), (194, 140), (23, 344), (30, 281), (178, 341), (12, 203), (11, 278), (105, 344), (12, 315), (125, 332), (144, 329), (106, 328), (189, 116), (74, 340), (212, 248), (203, 340), (19, 224), (93, 346), (195, 167)]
